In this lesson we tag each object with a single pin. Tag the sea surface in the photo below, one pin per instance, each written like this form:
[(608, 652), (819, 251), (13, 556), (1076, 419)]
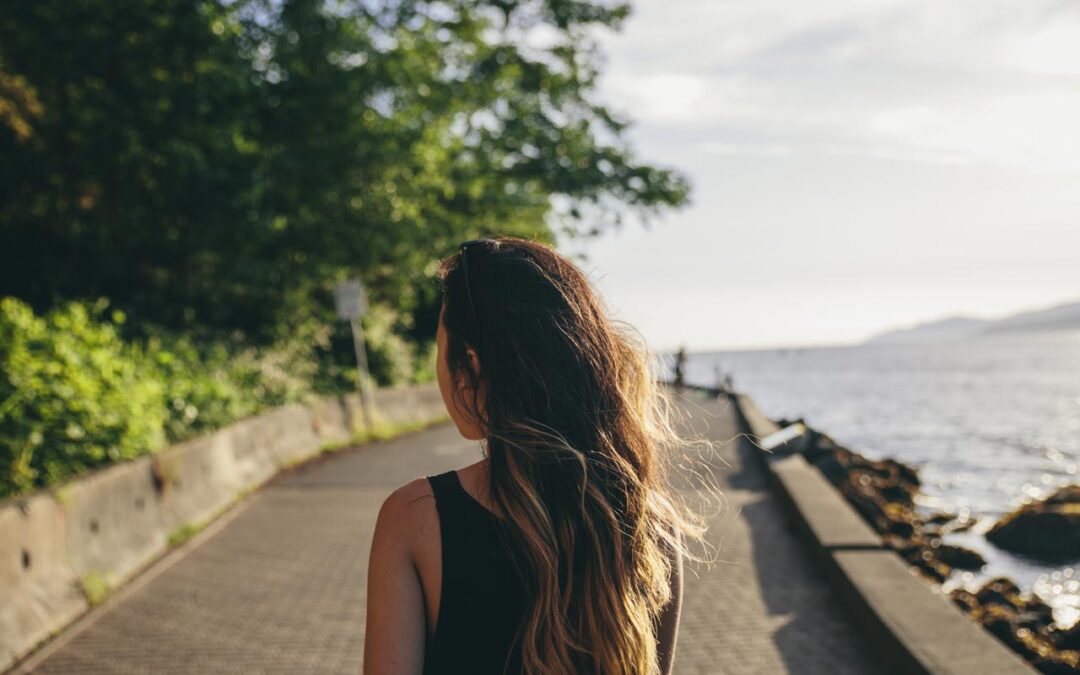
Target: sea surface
[(988, 422)]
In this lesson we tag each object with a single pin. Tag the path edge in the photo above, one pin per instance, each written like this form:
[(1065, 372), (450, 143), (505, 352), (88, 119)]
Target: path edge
[(910, 622), (125, 521)]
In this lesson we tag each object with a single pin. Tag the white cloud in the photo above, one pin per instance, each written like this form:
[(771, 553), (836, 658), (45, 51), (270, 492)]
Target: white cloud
[(965, 82), (900, 153), (657, 97), (1053, 50), (1030, 131), (759, 149)]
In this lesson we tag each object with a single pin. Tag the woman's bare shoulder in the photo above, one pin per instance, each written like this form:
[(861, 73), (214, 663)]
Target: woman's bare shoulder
[(411, 507), (405, 495), (408, 514), (411, 501)]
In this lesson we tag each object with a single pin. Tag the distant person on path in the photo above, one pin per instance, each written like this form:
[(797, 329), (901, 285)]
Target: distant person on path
[(680, 368), (561, 551)]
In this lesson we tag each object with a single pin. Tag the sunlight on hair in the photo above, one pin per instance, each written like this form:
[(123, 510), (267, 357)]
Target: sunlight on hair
[(592, 461)]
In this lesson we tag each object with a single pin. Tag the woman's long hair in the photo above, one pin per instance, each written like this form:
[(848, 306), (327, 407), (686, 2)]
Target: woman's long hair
[(577, 432)]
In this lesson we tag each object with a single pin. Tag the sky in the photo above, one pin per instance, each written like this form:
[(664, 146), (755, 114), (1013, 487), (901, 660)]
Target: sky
[(857, 166)]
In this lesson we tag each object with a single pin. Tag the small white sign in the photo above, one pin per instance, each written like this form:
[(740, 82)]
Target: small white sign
[(780, 438), (350, 300)]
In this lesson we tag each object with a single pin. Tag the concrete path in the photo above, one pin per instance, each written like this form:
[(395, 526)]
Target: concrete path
[(280, 588)]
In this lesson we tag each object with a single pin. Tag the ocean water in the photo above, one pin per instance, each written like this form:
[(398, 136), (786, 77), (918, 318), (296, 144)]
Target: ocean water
[(988, 422)]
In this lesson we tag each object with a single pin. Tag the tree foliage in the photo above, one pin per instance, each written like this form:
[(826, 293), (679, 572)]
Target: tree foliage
[(221, 164)]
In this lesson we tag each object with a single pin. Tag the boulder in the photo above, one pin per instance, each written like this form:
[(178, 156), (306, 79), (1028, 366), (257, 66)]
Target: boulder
[(958, 556), (1023, 623), (883, 492), (959, 525), (1068, 638), (832, 468), (1070, 494), (1048, 530), (1028, 612), (920, 554), (1058, 663), (1000, 591), (965, 600), (1002, 623), (940, 518), (867, 502)]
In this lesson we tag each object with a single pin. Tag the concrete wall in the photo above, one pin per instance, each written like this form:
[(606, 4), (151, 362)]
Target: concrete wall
[(111, 524), (913, 626)]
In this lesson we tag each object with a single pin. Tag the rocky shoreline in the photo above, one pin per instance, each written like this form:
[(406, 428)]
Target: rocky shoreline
[(883, 492)]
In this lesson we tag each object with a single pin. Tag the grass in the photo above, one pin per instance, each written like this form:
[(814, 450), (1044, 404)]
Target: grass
[(62, 494), (184, 533), (381, 431), (95, 587)]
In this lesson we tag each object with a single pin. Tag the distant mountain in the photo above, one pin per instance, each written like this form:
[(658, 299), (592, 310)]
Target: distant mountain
[(953, 328), (1059, 318)]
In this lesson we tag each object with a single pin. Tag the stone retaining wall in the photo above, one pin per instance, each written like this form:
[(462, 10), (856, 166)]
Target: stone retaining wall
[(914, 627), (106, 527)]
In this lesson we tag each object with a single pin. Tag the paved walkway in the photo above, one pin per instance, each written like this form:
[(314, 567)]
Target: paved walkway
[(280, 588)]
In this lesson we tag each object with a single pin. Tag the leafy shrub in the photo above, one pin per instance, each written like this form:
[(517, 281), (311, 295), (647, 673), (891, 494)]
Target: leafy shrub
[(392, 360), (390, 357), (208, 386), (72, 396), (425, 362), (200, 394)]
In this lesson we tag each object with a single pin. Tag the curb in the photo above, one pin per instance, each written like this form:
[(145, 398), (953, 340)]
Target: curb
[(912, 624)]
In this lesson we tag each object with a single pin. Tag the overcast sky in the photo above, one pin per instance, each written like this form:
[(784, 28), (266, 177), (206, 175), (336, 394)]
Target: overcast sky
[(857, 166)]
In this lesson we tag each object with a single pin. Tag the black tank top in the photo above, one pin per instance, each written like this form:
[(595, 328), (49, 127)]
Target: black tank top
[(481, 602)]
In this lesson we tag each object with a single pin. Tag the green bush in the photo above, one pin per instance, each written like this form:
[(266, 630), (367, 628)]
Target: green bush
[(425, 362), (210, 385), (200, 394), (72, 396), (390, 357)]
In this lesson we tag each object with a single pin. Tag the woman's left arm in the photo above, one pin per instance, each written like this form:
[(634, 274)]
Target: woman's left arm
[(395, 630)]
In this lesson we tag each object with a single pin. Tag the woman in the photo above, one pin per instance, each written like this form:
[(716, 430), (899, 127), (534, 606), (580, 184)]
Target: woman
[(561, 551)]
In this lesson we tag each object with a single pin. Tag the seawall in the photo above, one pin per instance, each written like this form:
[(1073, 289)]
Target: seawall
[(916, 628), (61, 547)]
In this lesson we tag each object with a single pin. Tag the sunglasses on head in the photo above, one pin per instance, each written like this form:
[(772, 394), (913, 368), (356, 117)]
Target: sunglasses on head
[(464, 249)]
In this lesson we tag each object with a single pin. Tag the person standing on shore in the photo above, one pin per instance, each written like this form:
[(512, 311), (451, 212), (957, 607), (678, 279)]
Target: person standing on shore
[(560, 552), (680, 368)]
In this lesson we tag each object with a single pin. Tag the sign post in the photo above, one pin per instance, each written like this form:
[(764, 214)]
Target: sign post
[(350, 303)]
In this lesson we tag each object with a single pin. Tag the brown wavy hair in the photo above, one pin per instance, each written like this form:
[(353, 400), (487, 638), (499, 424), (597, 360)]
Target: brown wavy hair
[(577, 432)]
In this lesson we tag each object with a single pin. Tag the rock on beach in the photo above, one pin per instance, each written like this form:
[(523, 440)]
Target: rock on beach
[(1048, 530), (883, 492)]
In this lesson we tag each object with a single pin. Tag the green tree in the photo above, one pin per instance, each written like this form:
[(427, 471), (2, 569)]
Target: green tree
[(222, 164), (214, 167)]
